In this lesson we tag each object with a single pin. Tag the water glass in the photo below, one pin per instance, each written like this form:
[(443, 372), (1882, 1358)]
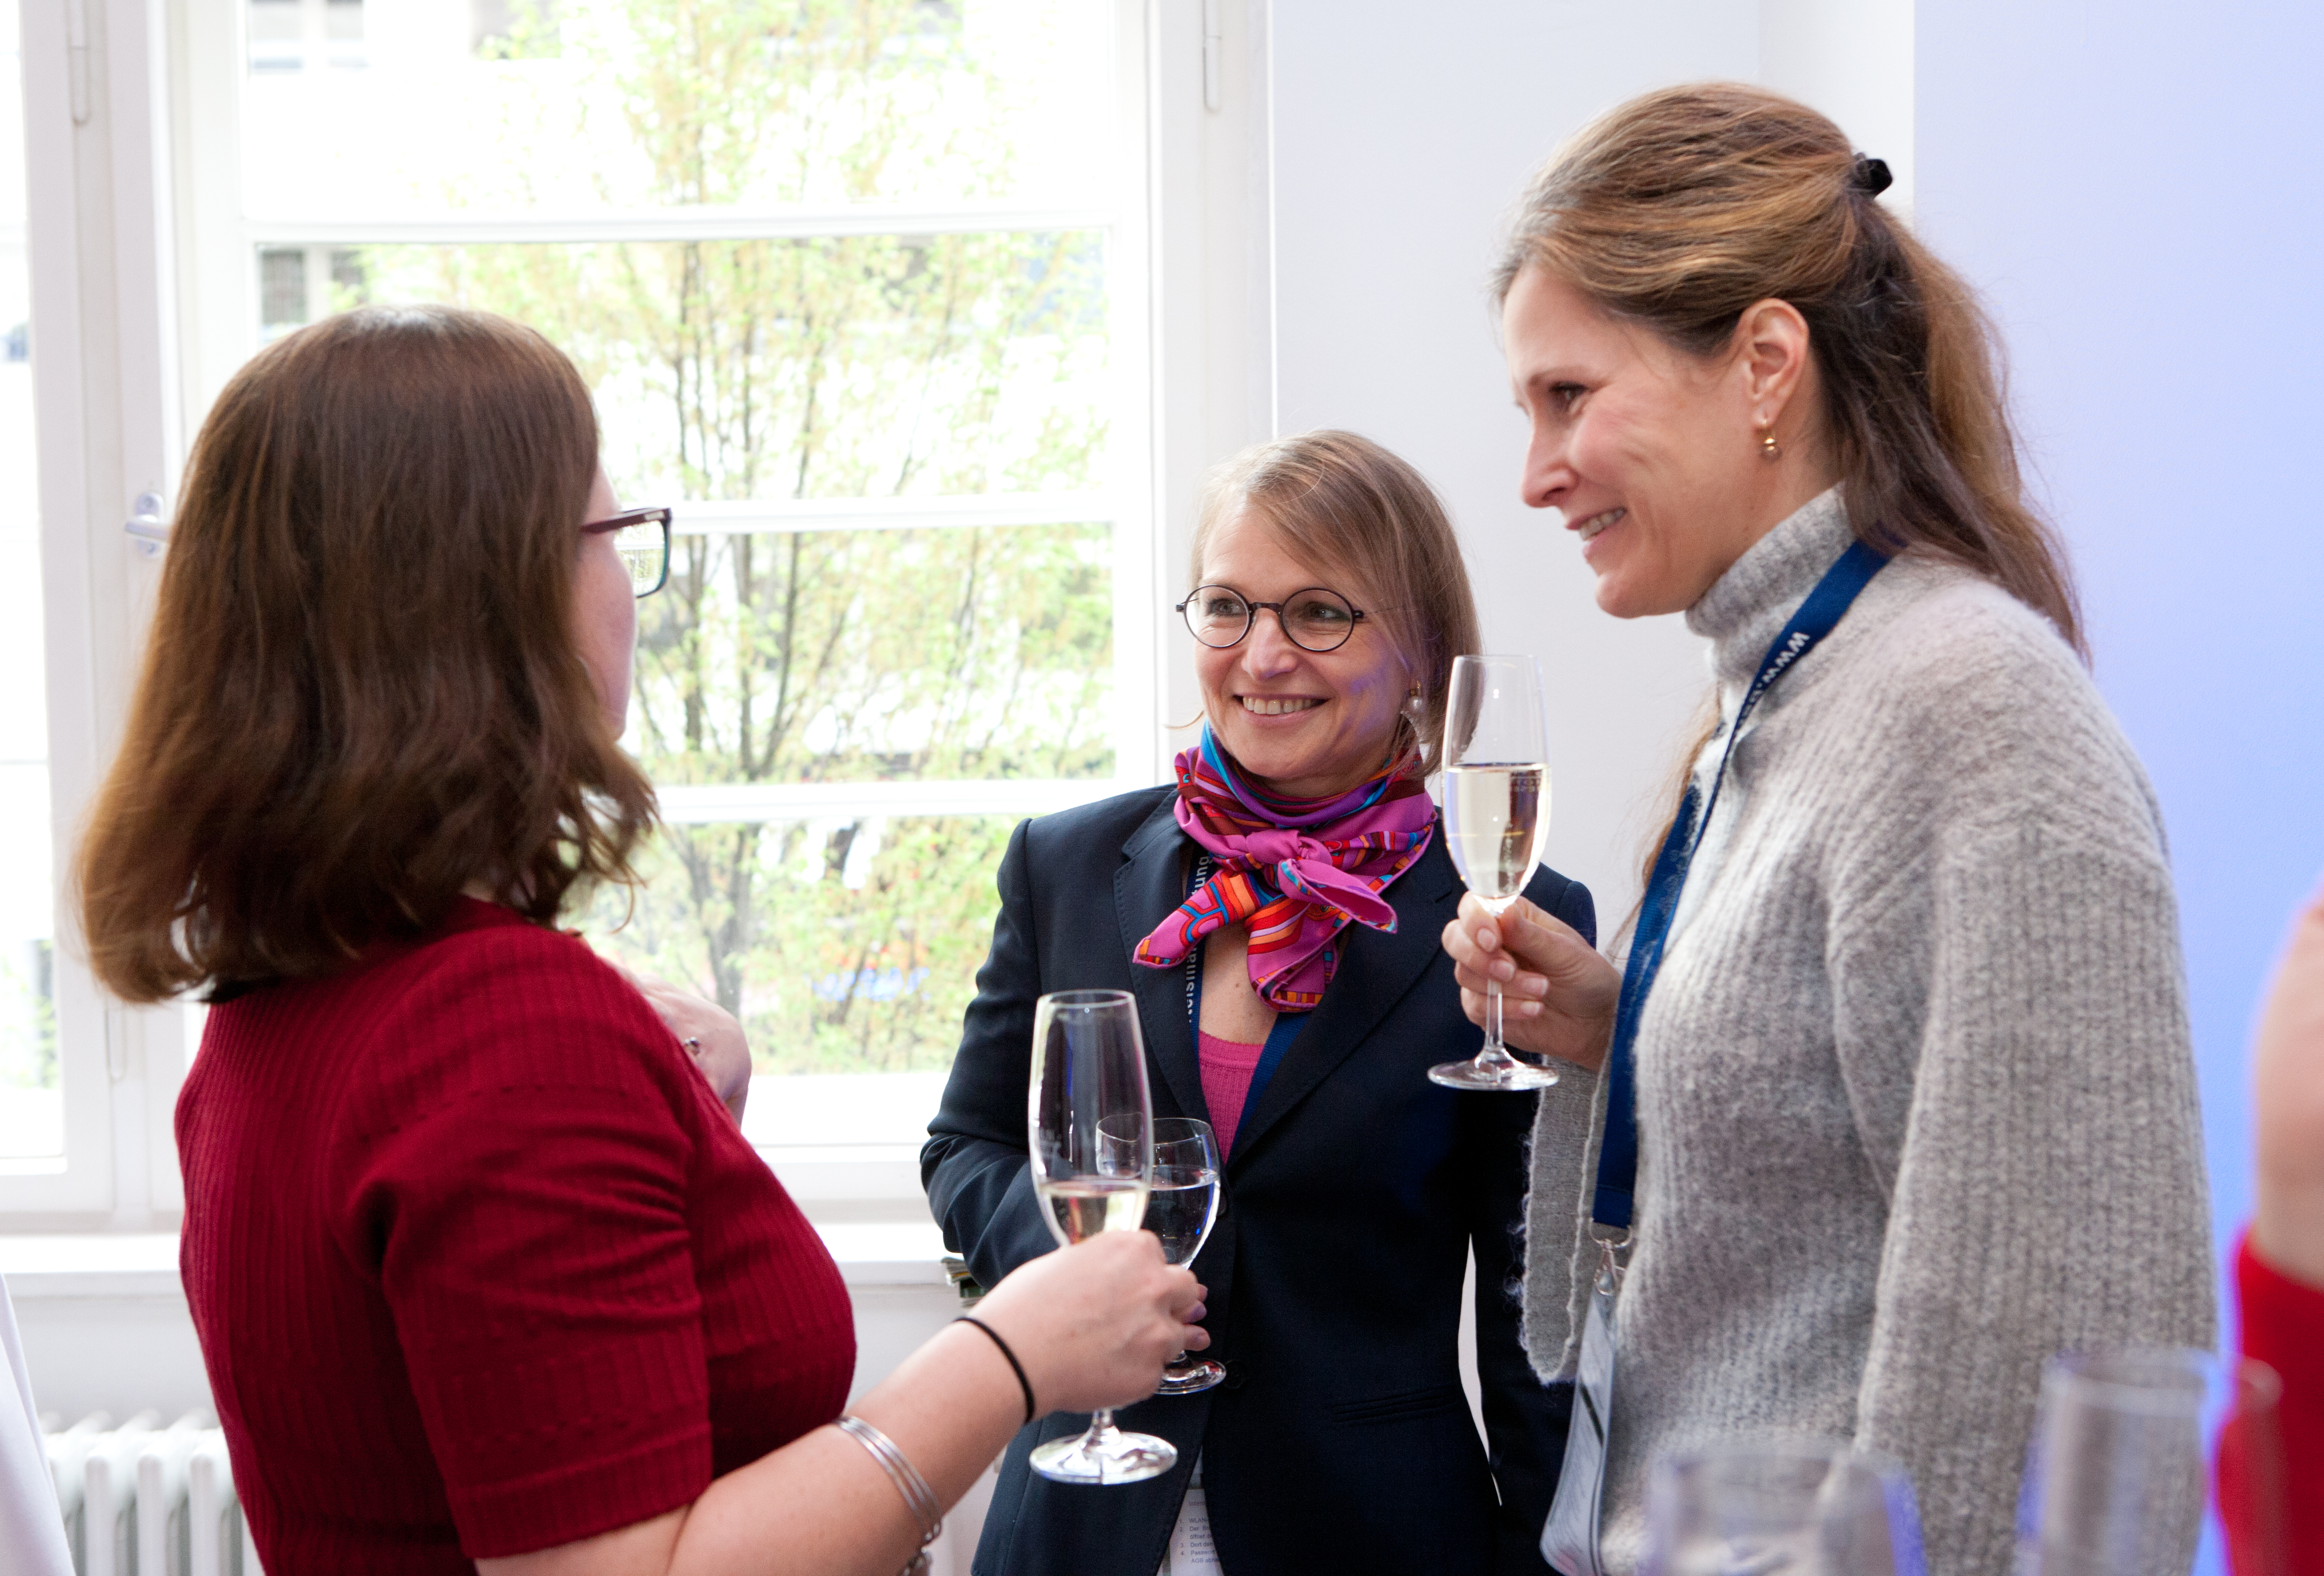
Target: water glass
[(1781, 1508), (2116, 1474)]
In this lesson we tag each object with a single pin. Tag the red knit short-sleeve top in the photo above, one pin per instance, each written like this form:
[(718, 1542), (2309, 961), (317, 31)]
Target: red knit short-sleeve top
[(479, 1265)]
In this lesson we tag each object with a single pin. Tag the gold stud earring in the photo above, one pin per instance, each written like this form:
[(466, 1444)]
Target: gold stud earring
[(1769, 450)]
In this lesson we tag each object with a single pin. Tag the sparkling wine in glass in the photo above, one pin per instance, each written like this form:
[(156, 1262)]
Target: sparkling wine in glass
[(1089, 1122), (1181, 1210), (1496, 815)]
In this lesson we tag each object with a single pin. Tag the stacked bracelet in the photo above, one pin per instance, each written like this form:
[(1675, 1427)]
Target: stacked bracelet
[(918, 1497), (1023, 1383)]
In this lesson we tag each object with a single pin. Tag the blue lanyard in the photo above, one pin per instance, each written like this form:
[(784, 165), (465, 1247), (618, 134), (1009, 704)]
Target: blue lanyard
[(1618, 1154), (1279, 1035)]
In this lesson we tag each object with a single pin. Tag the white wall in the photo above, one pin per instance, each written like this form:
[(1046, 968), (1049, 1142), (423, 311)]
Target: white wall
[(2135, 191), (1401, 139)]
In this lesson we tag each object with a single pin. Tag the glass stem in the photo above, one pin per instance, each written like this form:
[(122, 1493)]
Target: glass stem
[(1101, 1429), (1492, 1053)]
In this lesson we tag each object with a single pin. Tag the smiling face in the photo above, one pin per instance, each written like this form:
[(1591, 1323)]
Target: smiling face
[(1307, 724), (1652, 454)]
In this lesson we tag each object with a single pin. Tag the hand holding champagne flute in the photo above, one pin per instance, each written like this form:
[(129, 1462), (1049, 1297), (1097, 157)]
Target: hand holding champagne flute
[(1091, 1127)]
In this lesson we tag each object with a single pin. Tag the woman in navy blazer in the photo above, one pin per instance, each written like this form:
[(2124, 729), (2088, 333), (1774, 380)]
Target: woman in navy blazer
[(1354, 1189)]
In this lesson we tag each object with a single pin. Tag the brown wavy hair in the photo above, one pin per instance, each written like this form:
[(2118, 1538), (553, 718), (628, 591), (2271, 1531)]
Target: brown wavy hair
[(1341, 502), (1680, 210), (363, 692)]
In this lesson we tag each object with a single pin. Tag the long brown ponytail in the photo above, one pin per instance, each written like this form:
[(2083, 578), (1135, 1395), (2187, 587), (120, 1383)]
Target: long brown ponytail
[(1682, 208)]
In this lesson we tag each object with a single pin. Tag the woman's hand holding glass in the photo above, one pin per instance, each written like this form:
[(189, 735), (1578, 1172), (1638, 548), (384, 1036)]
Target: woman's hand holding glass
[(1094, 1324), (1090, 1130), (1558, 992)]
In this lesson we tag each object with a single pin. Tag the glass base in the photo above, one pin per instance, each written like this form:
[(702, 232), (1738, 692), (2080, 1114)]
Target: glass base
[(1104, 1455), (1507, 1076), (1190, 1378)]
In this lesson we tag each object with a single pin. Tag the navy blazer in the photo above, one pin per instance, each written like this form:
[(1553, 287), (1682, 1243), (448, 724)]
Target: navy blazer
[(1341, 1439)]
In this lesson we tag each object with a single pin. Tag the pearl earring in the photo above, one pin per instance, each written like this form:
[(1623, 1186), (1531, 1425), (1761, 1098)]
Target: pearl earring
[(1769, 450)]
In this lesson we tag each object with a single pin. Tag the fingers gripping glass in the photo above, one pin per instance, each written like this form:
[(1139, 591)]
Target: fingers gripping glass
[(641, 536), (1314, 619)]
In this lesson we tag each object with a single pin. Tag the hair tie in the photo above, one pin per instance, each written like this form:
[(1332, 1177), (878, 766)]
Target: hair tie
[(1870, 176)]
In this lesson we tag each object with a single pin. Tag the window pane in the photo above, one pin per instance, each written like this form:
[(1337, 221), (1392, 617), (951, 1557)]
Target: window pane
[(576, 105), (828, 367), (852, 942), (748, 374), (879, 656), (845, 945), (31, 1107)]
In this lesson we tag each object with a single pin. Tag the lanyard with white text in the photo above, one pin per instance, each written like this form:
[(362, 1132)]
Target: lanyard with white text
[(1569, 1538), (1279, 1035)]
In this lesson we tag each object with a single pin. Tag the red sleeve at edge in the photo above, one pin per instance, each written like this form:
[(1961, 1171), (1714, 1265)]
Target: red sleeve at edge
[(2282, 1325)]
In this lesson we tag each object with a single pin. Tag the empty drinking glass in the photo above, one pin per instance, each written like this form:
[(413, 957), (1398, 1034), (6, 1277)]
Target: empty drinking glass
[(1781, 1508), (2116, 1473)]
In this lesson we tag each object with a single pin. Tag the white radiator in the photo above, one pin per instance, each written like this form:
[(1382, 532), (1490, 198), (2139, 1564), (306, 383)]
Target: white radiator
[(143, 1500)]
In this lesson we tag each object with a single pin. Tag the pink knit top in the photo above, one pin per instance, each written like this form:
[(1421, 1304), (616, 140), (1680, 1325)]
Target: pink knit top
[(1227, 1067)]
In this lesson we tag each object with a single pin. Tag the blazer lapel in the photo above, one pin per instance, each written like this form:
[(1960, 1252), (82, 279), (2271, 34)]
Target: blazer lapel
[(1374, 972), (1152, 881)]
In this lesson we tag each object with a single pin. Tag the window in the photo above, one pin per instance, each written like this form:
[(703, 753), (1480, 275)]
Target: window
[(998, 470), (862, 290), (31, 1094)]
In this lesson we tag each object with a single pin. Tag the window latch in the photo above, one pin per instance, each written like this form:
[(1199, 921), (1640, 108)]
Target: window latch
[(77, 57), (1212, 40), (146, 527)]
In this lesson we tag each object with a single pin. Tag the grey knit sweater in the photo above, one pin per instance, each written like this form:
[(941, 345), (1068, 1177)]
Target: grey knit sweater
[(1916, 1104)]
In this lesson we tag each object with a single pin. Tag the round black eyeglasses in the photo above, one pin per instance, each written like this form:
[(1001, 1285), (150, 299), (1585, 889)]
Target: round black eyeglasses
[(1313, 620), (641, 536)]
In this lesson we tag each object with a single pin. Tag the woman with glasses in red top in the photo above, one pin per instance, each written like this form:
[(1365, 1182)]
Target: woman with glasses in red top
[(485, 1275)]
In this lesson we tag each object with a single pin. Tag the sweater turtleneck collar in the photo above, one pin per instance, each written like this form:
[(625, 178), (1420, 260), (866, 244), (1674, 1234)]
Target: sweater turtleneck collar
[(1746, 607)]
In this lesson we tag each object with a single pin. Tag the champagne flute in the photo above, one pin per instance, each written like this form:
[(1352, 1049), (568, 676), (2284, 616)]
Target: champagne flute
[(1496, 813), (1089, 1075), (1181, 1210)]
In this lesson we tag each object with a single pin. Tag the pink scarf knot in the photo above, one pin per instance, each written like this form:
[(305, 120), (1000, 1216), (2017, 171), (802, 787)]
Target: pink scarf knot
[(1295, 872)]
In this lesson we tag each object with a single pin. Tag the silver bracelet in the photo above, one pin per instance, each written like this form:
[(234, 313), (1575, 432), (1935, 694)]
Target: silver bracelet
[(918, 1497)]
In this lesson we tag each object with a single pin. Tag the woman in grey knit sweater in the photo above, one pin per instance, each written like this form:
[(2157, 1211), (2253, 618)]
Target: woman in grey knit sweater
[(1915, 1098)]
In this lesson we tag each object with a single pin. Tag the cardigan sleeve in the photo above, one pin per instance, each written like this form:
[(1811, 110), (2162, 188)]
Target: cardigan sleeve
[(521, 1206), (2010, 1022)]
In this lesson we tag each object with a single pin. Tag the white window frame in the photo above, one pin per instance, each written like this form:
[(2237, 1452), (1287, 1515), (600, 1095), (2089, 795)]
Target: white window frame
[(136, 219), (103, 382)]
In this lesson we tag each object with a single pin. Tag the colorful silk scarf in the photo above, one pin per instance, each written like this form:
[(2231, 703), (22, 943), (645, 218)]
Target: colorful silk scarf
[(1292, 871)]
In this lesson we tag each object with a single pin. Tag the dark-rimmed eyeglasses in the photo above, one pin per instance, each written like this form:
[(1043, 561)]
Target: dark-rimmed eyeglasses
[(1313, 619), (641, 536)]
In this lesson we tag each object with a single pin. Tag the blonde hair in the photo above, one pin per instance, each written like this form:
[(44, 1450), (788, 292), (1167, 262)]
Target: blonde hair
[(1343, 503), (1681, 208)]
